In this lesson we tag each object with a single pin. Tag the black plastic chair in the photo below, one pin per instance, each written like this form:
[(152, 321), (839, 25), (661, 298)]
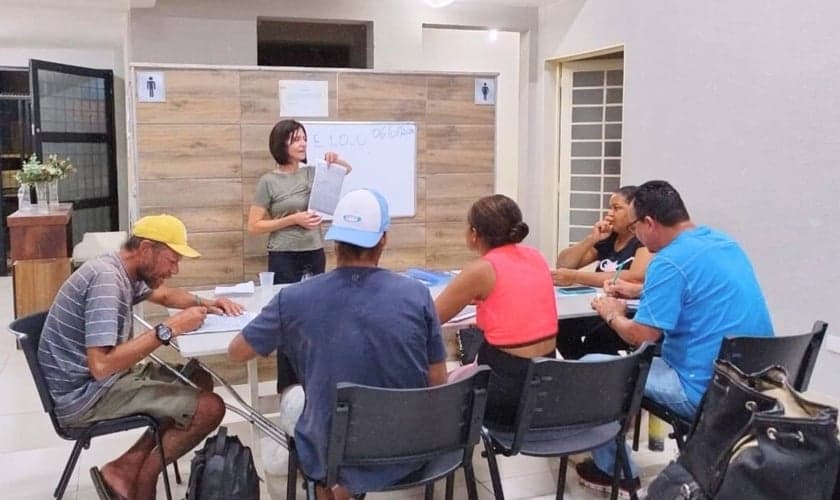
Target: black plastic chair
[(28, 332), (569, 407), (375, 426), (797, 354)]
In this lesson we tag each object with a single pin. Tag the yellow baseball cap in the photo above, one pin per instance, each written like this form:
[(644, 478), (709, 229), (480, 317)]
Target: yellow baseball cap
[(165, 229)]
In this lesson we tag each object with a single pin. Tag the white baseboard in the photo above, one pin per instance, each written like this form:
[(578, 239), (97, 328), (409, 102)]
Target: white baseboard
[(832, 343)]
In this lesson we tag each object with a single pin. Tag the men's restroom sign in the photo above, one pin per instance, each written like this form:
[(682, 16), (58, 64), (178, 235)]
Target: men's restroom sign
[(485, 91), (151, 86)]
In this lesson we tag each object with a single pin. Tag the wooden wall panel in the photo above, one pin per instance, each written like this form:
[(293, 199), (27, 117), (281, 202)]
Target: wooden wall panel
[(191, 193), (200, 155), (188, 151)]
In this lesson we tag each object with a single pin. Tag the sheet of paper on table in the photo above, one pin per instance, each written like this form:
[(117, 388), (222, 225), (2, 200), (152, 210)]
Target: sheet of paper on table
[(238, 289), (222, 323)]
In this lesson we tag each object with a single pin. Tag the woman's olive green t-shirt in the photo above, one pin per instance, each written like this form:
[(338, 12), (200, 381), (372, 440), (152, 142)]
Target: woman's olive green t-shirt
[(282, 194)]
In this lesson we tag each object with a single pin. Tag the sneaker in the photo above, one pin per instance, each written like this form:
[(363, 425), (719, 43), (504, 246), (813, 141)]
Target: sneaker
[(592, 477)]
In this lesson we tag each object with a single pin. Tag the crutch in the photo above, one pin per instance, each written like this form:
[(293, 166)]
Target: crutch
[(246, 411)]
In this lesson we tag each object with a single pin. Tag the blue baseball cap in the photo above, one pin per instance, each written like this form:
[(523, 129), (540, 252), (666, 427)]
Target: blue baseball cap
[(360, 218)]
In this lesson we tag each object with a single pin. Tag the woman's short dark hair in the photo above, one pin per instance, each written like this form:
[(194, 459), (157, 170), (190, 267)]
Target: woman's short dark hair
[(497, 220), (661, 202), (626, 192), (280, 138)]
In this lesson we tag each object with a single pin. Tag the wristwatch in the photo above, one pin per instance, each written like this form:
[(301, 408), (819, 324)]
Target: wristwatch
[(163, 333)]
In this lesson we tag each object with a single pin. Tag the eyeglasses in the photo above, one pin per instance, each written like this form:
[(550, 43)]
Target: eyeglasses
[(632, 226)]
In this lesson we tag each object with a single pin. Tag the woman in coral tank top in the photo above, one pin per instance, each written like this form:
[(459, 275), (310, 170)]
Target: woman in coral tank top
[(511, 285)]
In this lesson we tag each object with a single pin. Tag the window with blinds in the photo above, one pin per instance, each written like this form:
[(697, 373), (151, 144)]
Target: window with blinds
[(591, 120)]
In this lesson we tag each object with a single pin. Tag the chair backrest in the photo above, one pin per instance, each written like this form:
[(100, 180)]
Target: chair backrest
[(27, 329), (429, 421), (561, 393), (795, 353)]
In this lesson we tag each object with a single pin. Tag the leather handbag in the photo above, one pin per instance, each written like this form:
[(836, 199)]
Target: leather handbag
[(755, 437)]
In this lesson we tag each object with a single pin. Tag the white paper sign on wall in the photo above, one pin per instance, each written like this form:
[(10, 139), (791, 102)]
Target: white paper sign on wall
[(301, 98), (485, 91), (151, 86)]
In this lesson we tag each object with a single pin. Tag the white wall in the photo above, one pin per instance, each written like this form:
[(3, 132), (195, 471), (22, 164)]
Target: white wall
[(91, 37), (734, 103), (210, 32), (472, 50)]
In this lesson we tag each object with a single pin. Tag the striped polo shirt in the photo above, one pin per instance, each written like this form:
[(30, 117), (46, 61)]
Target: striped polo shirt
[(92, 309)]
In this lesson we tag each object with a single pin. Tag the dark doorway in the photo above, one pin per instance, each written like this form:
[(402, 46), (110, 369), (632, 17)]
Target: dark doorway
[(73, 115), (314, 45)]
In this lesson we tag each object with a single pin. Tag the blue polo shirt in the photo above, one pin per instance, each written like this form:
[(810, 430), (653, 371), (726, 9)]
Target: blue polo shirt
[(698, 289), (362, 325)]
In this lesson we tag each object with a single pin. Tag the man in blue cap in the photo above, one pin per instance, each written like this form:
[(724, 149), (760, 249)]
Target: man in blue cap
[(358, 323)]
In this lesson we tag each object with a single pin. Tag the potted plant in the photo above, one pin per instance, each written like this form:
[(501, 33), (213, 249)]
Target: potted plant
[(44, 176)]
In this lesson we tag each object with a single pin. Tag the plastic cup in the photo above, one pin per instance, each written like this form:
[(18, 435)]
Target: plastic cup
[(266, 279)]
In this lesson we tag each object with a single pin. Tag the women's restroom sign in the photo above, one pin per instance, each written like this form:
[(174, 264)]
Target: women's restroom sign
[(485, 91), (151, 86)]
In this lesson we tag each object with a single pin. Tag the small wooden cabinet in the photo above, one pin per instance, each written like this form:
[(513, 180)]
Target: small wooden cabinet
[(36, 283), (40, 252)]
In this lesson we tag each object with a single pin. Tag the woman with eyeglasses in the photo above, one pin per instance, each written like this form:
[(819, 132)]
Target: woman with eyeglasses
[(614, 249), (510, 284), (280, 209)]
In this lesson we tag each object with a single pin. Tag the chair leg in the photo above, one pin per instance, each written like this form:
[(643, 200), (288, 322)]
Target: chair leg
[(310, 490), (163, 468), (291, 477), (68, 469), (449, 491), (561, 477), (621, 457), (469, 478), (619, 441), (177, 472), (637, 430), (494, 467), (429, 493)]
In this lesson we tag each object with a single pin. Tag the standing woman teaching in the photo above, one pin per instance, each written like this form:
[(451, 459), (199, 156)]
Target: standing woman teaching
[(295, 240)]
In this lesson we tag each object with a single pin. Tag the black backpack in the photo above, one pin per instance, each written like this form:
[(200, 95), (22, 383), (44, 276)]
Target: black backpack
[(223, 470)]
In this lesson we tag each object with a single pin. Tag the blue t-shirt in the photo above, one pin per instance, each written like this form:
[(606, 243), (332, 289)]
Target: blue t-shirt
[(354, 324), (698, 289)]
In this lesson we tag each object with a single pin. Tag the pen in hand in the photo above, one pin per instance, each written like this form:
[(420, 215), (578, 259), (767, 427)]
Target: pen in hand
[(619, 267)]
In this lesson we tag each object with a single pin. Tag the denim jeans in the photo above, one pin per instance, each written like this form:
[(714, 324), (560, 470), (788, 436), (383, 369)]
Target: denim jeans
[(663, 386)]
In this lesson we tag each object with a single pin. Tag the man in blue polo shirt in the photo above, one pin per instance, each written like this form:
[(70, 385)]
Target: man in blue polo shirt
[(699, 287), (357, 323)]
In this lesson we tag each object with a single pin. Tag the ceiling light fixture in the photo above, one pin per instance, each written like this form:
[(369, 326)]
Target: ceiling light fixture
[(493, 35), (438, 3)]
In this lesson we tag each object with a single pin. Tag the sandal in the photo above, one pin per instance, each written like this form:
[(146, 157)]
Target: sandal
[(102, 489)]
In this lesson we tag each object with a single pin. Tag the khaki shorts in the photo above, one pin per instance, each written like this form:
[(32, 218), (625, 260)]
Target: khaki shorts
[(147, 388)]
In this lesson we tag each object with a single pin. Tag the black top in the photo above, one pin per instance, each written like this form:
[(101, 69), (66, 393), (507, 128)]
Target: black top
[(609, 258)]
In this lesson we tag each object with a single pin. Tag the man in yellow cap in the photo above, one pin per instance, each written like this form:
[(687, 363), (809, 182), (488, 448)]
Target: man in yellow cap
[(90, 355)]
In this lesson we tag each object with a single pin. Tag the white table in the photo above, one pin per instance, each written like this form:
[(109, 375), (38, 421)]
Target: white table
[(207, 344)]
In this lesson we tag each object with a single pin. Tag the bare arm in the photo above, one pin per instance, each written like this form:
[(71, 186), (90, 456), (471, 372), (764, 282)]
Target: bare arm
[(474, 282), (583, 252), (105, 361), (634, 274), (240, 350), (614, 312), (259, 221), (178, 298), (437, 373)]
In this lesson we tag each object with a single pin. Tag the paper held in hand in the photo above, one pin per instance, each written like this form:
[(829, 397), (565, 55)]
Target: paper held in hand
[(326, 188)]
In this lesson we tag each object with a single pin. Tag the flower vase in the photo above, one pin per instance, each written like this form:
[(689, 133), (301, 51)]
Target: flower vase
[(25, 198), (52, 195), (42, 196)]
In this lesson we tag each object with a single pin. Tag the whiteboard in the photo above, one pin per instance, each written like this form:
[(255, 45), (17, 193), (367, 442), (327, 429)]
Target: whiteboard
[(383, 156)]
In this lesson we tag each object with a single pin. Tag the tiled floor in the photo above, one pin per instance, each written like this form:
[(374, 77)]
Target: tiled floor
[(32, 456)]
